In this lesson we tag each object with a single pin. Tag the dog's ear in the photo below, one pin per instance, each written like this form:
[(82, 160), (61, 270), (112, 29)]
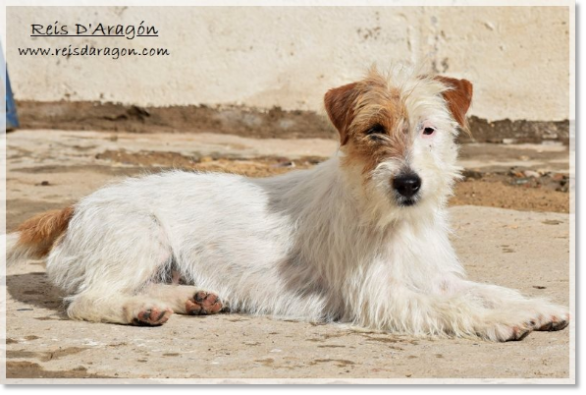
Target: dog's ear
[(458, 97), (339, 103)]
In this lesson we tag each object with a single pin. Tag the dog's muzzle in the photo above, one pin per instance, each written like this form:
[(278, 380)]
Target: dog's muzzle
[(406, 187)]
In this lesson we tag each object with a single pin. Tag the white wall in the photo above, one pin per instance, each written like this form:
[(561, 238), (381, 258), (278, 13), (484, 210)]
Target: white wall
[(517, 57)]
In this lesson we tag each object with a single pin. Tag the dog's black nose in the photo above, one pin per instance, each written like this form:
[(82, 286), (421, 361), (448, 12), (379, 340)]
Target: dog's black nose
[(407, 185)]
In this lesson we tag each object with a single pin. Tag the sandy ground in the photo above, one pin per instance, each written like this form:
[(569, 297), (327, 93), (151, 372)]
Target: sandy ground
[(520, 248)]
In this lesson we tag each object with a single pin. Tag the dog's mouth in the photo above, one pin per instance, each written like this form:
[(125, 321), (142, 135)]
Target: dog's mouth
[(407, 201)]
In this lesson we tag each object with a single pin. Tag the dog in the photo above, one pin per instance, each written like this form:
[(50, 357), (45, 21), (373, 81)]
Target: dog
[(361, 238)]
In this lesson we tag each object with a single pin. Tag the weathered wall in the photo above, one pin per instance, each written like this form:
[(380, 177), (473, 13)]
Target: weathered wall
[(517, 57)]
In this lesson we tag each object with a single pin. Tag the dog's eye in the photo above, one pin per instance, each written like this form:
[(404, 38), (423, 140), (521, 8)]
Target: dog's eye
[(428, 131), (376, 129)]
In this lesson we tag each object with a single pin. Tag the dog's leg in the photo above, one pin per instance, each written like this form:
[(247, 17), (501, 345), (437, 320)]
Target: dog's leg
[(107, 271), (186, 299), (153, 306), (460, 313), (545, 316), (120, 309), (466, 312)]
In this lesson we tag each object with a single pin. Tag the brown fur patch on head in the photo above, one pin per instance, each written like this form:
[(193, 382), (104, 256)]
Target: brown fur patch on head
[(372, 121), (458, 97), (42, 230)]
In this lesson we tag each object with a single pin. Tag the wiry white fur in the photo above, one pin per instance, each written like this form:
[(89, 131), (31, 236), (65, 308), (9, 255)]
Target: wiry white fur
[(319, 244)]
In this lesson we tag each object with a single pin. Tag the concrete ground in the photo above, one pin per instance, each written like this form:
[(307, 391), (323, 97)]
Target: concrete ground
[(525, 250)]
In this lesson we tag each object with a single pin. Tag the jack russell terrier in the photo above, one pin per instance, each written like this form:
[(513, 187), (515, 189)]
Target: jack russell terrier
[(361, 238)]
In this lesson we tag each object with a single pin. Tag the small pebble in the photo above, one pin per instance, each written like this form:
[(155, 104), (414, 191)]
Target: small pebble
[(284, 164), (558, 177), (531, 173), (552, 222), (472, 174)]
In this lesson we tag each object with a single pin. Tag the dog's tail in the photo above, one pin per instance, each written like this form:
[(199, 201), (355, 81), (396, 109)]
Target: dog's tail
[(35, 237)]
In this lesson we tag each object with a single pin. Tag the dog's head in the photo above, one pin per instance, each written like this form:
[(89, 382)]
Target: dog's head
[(398, 136)]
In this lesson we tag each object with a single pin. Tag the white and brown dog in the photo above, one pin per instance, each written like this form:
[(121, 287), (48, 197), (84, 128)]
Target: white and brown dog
[(362, 238)]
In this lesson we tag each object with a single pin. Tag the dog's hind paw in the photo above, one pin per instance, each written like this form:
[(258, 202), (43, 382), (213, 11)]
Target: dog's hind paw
[(152, 316), (204, 303)]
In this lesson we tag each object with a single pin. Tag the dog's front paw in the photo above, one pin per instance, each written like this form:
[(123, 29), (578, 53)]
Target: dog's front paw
[(551, 321), (515, 323), (545, 316), (506, 332)]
